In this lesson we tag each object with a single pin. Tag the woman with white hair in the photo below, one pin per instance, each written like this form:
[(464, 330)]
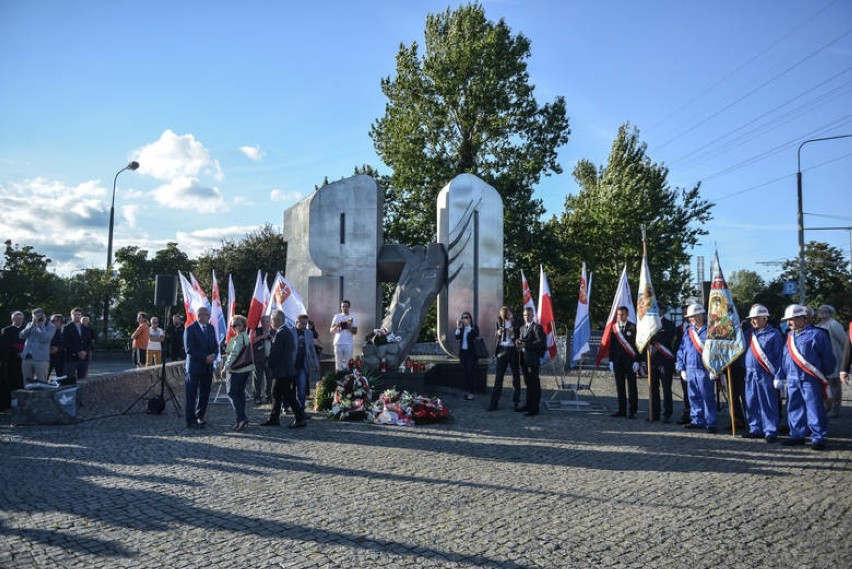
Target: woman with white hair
[(837, 336)]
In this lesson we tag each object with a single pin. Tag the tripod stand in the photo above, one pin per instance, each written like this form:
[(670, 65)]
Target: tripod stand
[(157, 405)]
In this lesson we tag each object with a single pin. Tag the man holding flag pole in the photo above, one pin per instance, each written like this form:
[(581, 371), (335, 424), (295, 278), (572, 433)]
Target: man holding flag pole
[(618, 345)]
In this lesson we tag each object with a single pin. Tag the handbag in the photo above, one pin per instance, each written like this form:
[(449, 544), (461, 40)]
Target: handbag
[(480, 349), (245, 358)]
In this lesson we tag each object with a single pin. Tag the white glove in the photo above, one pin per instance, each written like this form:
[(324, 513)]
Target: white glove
[(778, 384), (713, 376), (611, 366), (683, 374), (635, 367)]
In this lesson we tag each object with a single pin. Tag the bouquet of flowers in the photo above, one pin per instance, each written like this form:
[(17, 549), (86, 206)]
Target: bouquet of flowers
[(426, 409), (387, 410), (380, 337), (407, 408), (352, 397)]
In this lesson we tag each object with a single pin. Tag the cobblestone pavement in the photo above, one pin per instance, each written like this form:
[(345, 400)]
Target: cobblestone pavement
[(563, 489)]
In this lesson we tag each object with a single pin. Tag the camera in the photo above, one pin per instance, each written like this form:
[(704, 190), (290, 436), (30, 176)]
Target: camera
[(344, 325)]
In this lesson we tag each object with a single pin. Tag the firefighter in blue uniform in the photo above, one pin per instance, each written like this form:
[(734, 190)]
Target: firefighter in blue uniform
[(764, 350), (807, 361), (700, 384)]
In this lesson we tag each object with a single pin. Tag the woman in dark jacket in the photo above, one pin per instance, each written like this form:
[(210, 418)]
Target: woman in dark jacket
[(466, 332)]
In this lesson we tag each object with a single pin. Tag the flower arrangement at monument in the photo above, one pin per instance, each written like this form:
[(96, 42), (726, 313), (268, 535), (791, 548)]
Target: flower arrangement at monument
[(381, 336), (352, 398), (407, 408)]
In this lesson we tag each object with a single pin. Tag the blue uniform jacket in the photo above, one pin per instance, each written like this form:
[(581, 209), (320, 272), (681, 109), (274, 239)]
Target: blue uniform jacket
[(815, 347), (772, 342), (688, 358)]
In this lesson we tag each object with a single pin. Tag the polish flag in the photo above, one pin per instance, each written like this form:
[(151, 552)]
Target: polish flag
[(622, 298), (258, 304), (217, 316), (545, 315), (285, 298), (232, 305), (528, 299), (191, 300), (582, 324), (201, 294)]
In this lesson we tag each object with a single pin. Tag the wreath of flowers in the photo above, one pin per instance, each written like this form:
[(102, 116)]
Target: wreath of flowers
[(352, 398), (407, 408)]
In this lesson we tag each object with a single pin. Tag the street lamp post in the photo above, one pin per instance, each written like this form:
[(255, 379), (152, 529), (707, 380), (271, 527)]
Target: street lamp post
[(800, 218), (130, 166)]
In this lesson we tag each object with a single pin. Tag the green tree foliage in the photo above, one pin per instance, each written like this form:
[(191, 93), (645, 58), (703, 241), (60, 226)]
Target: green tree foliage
[(263, 249), (601, 226), (746, 286), (465, 105), (827, 278), (25, 283)]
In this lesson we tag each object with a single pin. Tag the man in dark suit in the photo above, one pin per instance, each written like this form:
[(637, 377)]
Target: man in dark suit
[(623, 363), (282, 365), (532, 345), (662, 368), (11, 346), (77, 343), (201, 350)]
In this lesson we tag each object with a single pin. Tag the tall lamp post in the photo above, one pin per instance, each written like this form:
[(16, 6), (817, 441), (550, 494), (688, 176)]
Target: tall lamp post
[(801, 219), (130, 166)]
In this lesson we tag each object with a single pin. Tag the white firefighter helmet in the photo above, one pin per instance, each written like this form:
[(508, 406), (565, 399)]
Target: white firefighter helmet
[(694, 309), (794, 311), (758, 310)]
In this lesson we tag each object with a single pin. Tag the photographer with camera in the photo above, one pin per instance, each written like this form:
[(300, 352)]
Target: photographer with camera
[(35, 359)]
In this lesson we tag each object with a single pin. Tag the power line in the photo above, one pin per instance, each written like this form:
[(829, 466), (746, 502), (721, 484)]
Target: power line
[(742, 66), (755, 90)]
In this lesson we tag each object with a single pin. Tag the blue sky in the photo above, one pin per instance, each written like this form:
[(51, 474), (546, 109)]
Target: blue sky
[(236, 110)]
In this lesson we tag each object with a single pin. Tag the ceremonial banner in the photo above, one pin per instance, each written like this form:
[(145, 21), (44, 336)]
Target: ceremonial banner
[(257, 307), (724, 341), (545, 315), (285, 298), (622, 298), (647, 310), (582, 324), (232, 304), (191, 300), (217, 316), (528, 299), (200, 292)]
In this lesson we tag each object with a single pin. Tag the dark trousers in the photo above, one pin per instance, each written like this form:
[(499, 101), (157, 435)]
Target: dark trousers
[(625, 387), (197, 395), (284, 394), (74, 370), (533, 381), (237, 393), (57, 364), (508, 357), (468, 362), (661, 375), (261, 385)]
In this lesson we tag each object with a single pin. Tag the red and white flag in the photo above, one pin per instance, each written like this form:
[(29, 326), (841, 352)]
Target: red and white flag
[(191, 300), (528, 299), (257, 307), (545, 315), (200, 291), (217, 315), (648, 310), (622, 298), (284, 297), (232, 306)]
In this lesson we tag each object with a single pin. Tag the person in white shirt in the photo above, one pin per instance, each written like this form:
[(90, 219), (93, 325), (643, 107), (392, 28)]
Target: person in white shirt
[(155, 343), (344, 326)]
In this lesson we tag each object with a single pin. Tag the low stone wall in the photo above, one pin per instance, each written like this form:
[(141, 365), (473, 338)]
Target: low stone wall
[(104, 395)]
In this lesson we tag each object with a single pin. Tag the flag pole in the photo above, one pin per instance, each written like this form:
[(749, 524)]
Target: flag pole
[(647, 347), (731, 403)]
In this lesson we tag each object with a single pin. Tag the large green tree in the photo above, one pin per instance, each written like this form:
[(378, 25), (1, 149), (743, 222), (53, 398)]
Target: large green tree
[(465, 105), (827, 277), (25, 282), (601, 226)]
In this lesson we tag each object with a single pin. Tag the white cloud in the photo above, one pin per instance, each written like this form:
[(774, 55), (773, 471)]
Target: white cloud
[(280, 196), (200, 241), (189, 193), (176, 156), (253, 153), (129, 212)]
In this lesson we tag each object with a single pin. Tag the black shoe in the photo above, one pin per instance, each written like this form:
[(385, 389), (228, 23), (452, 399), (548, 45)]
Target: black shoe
[(693, 426), (819, 445), (192, 425), (750, 435), (631, 415), (619, 414), (793, 442), (297, 424), (201, 423), (521, 409), (771, 439), (270, 423), (468, 397), (491, 407), (667, 418), (712, 430), (684, 421), (531, 413)]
